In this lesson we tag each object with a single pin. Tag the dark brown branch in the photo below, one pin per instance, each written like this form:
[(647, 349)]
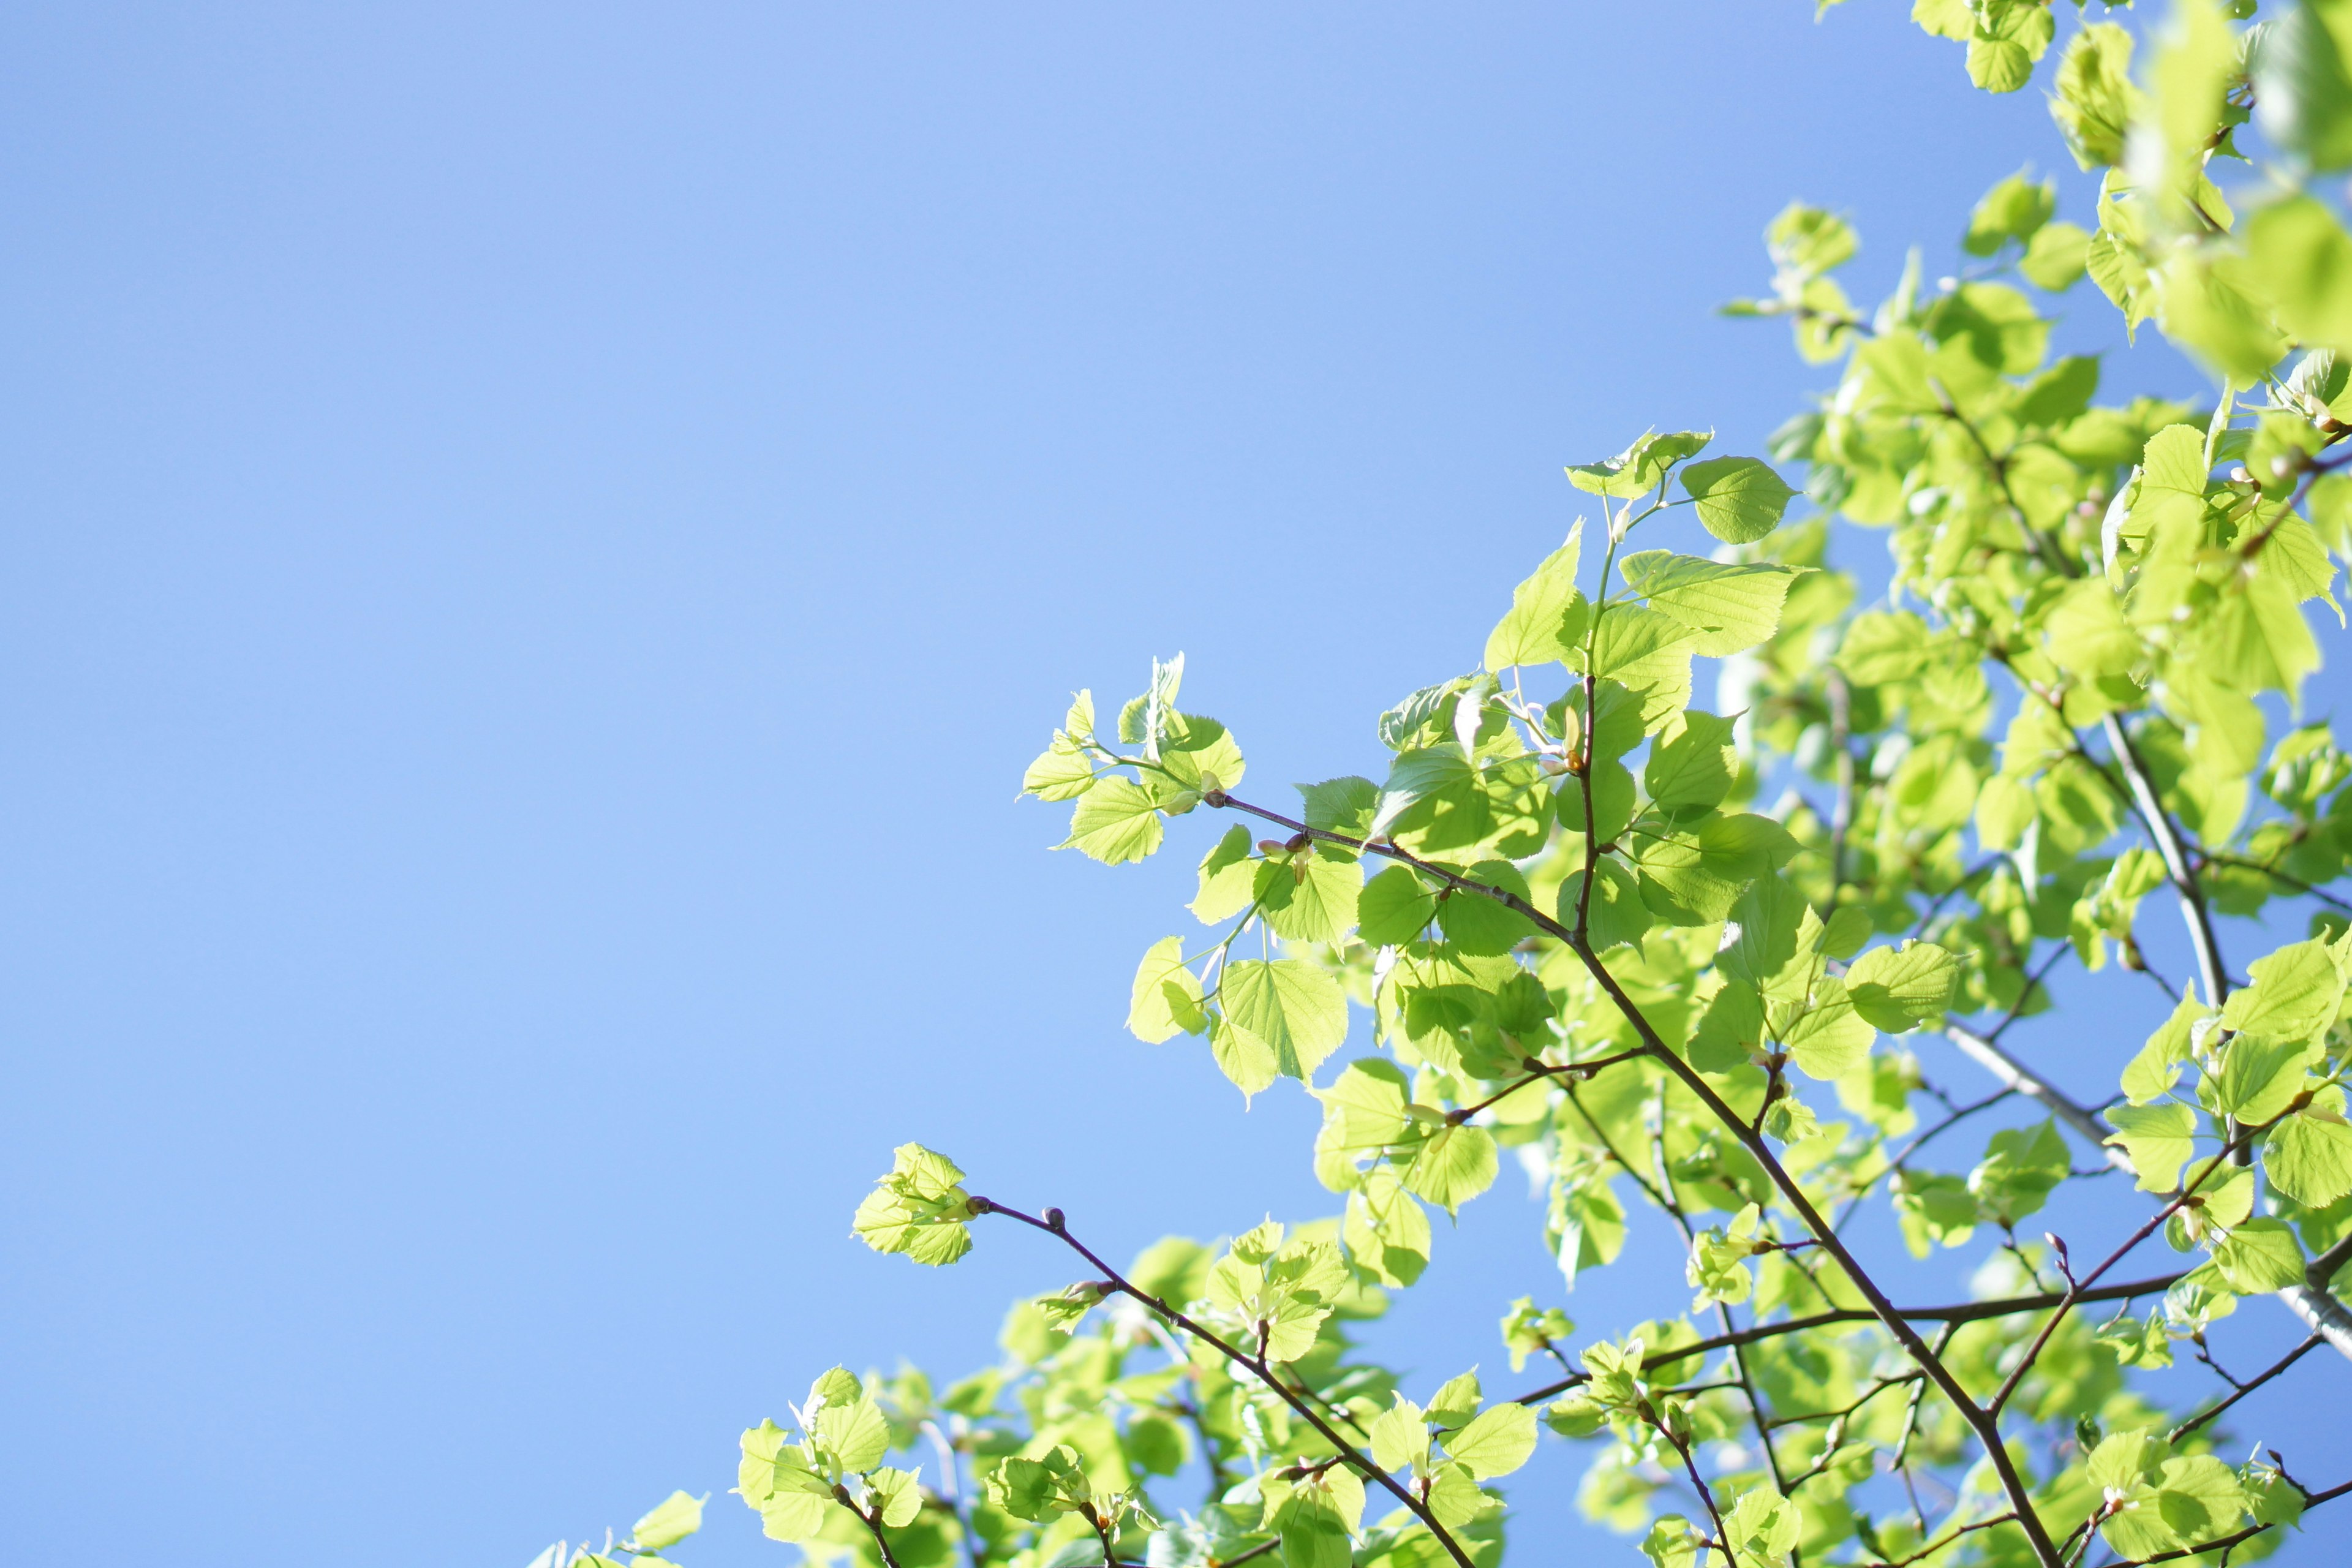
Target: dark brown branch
[(1964, 1313), (2252, 1384)]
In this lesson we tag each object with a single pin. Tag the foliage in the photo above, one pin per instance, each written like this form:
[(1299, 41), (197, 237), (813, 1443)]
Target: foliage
[(1669, 958)]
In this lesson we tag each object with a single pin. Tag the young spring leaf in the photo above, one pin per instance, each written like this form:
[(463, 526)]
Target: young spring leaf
[(1740, 500)]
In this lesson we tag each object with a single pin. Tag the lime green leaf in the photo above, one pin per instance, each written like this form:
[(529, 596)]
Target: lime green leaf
[(2015, 209), (1546, 621), (2021, 1167), (1341, 805), (1731, 607), (2300, 259), (2303, 92), (1615, 913), (2152, 1073), (855, 1435), (1694, 879), (2095, 102), (676, 1517), (1638, 469), (1808, 241), (896, 1495), (2057, 258), (1394, 907), (1900, 988), (1165, 1000), (1419, 775), (1649, 654), (2295, 994), (2259, 1078), (1880, 647), (2085, 631), (1692, 765), (1115, 822), (2260, 1256), (1311, 895), (2157, 1139), (2010, 36), (1740, 500), (1481, 926), (1454, 1166), (1831, 1037), (1672, 1542), (2308, 1156), (1242, 1056), (795, 1518), (1295, 1010), (1399, 1436), (1228, 878), (917, 1208), (1061, 771), (1496, 1442)]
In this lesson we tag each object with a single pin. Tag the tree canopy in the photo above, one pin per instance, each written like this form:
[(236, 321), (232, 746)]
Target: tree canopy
[(1673, 959)]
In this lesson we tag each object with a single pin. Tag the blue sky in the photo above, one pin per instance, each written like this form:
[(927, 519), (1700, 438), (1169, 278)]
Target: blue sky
[(541, 538)]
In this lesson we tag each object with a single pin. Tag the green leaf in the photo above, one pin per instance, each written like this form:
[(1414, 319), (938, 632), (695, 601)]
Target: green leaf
[(1062, 772), (1546, 621), (1880, 647), (2259, 1078), (1480, 925), (2057, 258), (1692, 765), (2295, 993), (855, 1435), (1454, 1166), (1496, 1442), (2308, 1156), (1242, 1056), (1115, 822), (2157, 1139), (1732, 608), (1808, 241), (1900, 988), (1295, 1010), (917, 1208), (795, 1518), (1418, 775), (670, 1521), (1638, 469), (1649, 654), (2015, 209), (1693, 879), (1616, 912), (1740, 500), (1399, 1436), (2153, 1072), (2260, 1256), (1341, 805), (1831, 1037), (1672, 1542), (2303, 92), (1394, 907), (2299, 259), (896, 1495), (1310, 896), (1228, 879), (1165, 1000), (2021, 1167), (2095, 102)]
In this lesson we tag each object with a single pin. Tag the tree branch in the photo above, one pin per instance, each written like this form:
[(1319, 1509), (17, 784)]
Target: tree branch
[(1964, 1313), (1054, 1225)]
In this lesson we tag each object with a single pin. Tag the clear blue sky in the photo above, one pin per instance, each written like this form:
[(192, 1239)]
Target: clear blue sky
[(540, 540)]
